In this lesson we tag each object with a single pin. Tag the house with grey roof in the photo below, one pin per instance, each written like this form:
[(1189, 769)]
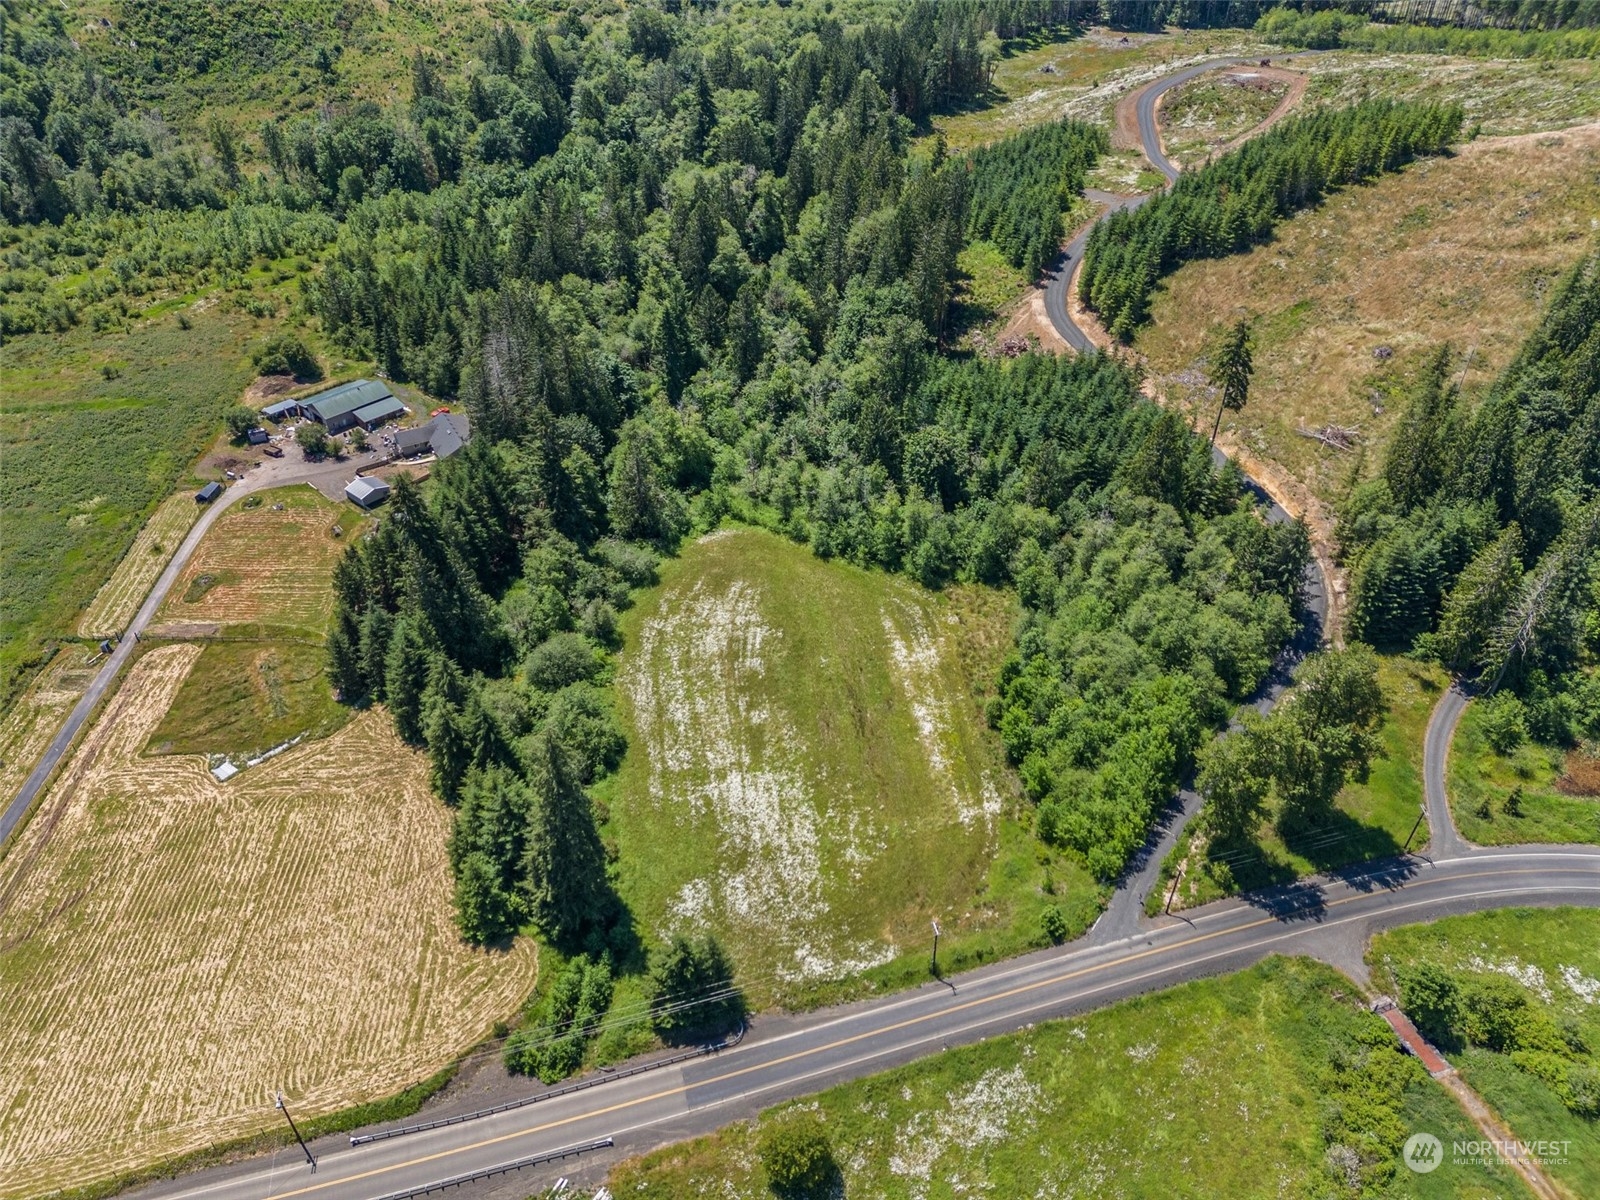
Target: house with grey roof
[(442, 437)]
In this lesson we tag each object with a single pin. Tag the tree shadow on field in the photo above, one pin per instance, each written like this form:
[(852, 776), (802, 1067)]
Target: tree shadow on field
[(828, 1184), (1337, 839), (617, 933)]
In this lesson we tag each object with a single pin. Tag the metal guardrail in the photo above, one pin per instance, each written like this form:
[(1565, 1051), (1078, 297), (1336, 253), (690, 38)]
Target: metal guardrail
[(581, 1085), (533, 1160)]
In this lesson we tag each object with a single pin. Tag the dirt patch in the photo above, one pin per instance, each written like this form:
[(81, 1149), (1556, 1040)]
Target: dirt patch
[(227, 457), (266, 388), (179, 946), (417, 472), (1031, 323), (1580, 776)]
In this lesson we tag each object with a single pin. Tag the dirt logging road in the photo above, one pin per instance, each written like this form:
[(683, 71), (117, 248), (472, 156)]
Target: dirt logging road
[(1124, 914)]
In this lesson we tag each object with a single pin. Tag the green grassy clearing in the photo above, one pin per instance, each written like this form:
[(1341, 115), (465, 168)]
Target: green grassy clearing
[(1224, 1087), (1372, 817), (809, 776), (1480, 778), (88, 458), (264, 63), (1554, 954), (989, 284), (1073, 74), (241, 698), (1212, 110)]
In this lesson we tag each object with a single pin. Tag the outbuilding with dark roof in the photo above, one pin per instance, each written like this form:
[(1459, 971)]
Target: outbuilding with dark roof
[(208, 493)]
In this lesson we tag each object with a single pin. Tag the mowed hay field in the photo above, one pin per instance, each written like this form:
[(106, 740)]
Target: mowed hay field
[(266, 566), (118, 600), (808, 774), (171, 949), (33, 720), (1459, 250)]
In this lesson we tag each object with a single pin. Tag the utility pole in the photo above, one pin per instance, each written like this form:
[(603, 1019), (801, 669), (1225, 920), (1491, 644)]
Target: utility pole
[(935, 967), (295, 1129), (1406, 849)]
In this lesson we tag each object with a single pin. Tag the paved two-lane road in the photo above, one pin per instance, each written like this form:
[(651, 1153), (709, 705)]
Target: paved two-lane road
[(783, 1057)]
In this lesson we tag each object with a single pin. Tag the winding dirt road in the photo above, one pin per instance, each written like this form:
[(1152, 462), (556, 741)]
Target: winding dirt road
[(1125, 912)]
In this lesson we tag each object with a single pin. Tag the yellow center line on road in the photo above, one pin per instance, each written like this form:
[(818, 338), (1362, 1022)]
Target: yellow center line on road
[(668, 1093)]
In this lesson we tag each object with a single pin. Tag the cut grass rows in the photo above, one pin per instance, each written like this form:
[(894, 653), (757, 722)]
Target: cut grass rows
[(292, 928), (33, 720), (116, 602), (267, 566)]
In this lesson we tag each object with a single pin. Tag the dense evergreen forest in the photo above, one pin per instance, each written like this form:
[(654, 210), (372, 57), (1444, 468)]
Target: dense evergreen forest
[(680, 270), (1477, 541), (721, 290), (1233, 203), (1023, 184)]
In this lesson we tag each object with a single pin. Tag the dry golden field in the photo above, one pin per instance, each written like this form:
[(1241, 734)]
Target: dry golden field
[(119, 598), (38, 713), (267, 565), (172, 948), (1460, 250)]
